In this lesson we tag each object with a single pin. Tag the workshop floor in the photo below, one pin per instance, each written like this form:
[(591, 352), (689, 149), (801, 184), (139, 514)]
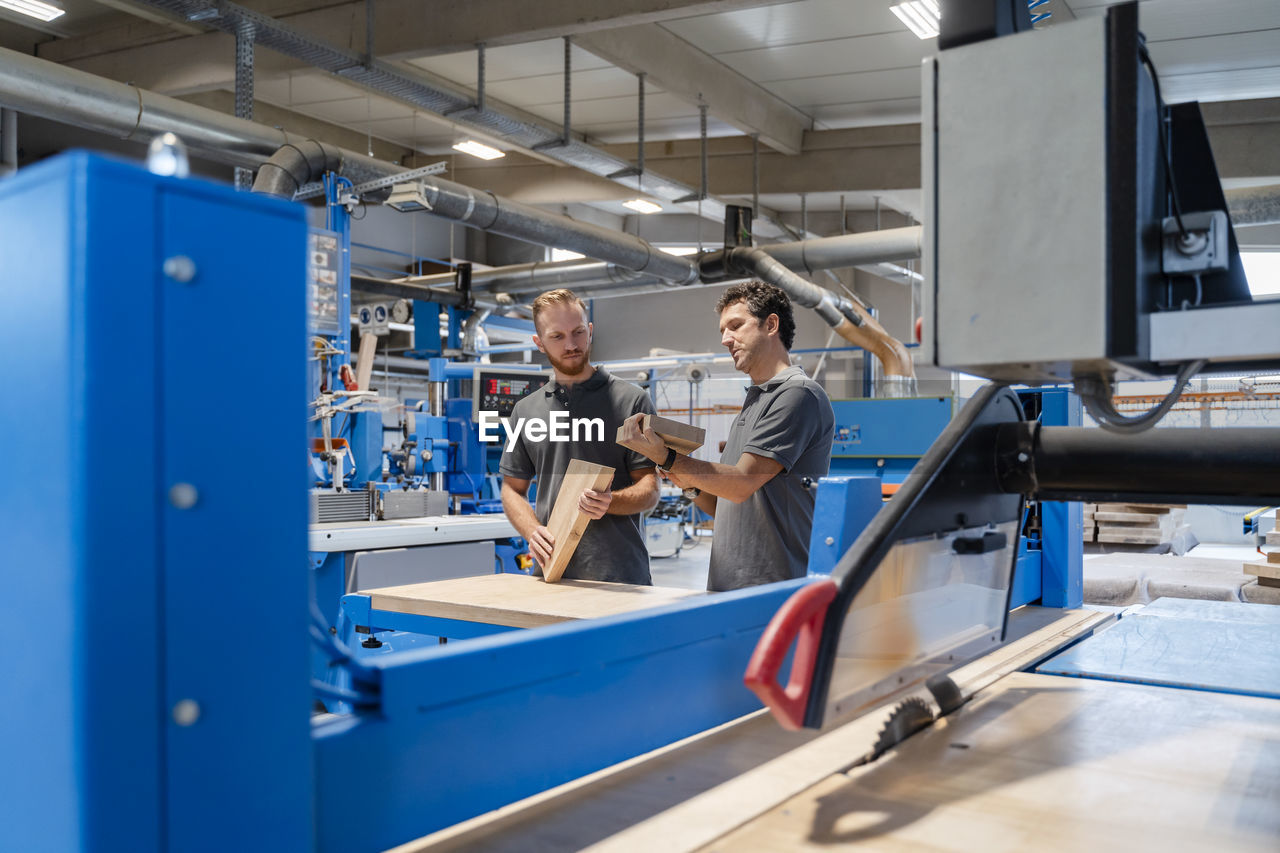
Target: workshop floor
[(686, 570)]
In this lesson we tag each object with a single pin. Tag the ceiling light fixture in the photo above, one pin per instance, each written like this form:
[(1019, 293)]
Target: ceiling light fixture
[(479, 149), (641, 205), (34, 9), (920, 16)]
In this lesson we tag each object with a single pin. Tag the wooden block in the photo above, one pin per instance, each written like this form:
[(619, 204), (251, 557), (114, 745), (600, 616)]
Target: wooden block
[(567, 522), (364, 360), (1273, 537), (1273, 557), (1140, 518), (679, 436), (1155, 509), (1132, 536), (1263, 570)]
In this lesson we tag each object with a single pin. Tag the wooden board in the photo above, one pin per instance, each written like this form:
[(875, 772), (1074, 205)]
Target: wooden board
[(1145, 518), (520, 601), (364, 360), (679, 436), (1048, 763), (567, 522), (1273, 537), (1269, 569), (1138, 536), (1155, 509)]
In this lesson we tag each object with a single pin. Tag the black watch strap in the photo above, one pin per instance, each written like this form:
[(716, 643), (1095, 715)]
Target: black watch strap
[(670, 460)]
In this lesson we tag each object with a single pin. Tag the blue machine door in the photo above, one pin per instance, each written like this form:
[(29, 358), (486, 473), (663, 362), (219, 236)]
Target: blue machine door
[(232, 531)]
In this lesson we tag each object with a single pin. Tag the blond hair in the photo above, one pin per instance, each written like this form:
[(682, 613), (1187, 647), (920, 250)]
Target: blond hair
[(562, 296)]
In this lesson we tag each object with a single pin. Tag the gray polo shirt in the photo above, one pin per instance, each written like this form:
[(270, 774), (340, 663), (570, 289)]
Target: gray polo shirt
[(766, 537), (612, 548)]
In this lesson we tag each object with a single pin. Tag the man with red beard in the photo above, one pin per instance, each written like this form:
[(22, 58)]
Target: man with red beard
[(612, 548)]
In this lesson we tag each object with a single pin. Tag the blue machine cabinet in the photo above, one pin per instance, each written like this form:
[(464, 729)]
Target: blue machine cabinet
[(885, 436), (133, 539)]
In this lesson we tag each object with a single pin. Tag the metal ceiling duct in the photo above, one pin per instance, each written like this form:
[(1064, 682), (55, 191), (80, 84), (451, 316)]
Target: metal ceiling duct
[(63, 94), (411, 86)]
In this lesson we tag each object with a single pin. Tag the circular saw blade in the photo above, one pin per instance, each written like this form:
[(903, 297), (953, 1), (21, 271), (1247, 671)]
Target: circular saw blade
[(909, 717)]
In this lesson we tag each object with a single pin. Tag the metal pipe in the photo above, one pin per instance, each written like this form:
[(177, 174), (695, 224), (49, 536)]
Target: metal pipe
[(1159, 465), (488, 212), (64, 94), (847, 250), (8, 142), (471, 330)]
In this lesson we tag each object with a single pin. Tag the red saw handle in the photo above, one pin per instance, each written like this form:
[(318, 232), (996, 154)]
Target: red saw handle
[(799, 619)]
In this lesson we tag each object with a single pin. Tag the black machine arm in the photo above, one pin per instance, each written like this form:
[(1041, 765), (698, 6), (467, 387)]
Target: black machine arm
[(1225, 466), (926, 585)]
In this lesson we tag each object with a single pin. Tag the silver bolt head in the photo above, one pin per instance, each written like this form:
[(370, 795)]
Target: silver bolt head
[(186, 712), (180, 268), (1022, 457), (183, 495), (830, 540)]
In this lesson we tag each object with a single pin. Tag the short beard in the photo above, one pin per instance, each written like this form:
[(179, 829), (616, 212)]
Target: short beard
[(563, 368)]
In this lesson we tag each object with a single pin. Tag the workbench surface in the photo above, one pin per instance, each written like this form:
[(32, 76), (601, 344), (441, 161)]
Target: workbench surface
[(520, 601)]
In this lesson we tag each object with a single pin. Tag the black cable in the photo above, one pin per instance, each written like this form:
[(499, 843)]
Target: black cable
[(1096, 395), (1166, 159)]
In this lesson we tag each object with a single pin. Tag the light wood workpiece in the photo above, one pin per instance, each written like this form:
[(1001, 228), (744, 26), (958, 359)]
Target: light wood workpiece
[(520, 601), (1041, 762)]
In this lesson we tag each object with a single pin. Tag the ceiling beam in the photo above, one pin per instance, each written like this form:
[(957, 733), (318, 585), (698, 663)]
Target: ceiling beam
[(405, 29), (859, 159), (677, 67), (1244, 135)]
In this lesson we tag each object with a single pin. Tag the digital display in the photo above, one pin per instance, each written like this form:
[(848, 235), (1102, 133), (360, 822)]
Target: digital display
[(497, 390)]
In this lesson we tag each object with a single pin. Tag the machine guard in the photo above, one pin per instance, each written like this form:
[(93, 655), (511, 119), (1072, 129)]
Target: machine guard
[(922, 590)]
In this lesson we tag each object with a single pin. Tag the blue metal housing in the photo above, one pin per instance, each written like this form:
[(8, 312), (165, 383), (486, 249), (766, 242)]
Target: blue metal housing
[(884, 437), (132, 536)]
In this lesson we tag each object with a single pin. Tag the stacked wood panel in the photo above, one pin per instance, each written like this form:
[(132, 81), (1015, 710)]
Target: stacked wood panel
[(1139, 524), (1268, 571)]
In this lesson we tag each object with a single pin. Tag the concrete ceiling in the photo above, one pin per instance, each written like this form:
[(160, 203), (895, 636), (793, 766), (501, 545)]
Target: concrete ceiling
[(831, 87)]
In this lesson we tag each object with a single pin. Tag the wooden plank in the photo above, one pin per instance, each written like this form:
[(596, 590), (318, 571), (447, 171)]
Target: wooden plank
[(1138, 536), (1268, 569), (679, 436), (567, 522), (686, 795), (520, 601), (1154, 509), (1273, 537), (364, 360), (1145, 518), (1050, 763)]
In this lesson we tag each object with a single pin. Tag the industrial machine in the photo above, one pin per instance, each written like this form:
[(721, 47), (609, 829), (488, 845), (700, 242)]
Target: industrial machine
[(164, 704)]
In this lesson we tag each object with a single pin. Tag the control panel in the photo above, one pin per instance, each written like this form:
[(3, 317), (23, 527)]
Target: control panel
[(496, 389)]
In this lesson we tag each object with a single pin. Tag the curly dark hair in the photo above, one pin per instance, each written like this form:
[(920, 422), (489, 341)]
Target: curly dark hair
[(762, 300)]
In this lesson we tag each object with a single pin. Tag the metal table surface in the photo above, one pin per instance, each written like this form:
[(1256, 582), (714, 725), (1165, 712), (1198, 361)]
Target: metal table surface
[(1224, 646), (408, 532)]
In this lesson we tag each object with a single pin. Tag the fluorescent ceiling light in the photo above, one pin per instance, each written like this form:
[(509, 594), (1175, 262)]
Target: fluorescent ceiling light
[(475, 149), (34, 9), (920, 16), (641, 205)]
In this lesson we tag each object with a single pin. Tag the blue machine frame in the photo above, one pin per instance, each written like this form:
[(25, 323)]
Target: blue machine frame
[(167, 703)]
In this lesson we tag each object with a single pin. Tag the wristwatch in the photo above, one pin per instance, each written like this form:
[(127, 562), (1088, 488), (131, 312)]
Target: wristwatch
[(670, 460)]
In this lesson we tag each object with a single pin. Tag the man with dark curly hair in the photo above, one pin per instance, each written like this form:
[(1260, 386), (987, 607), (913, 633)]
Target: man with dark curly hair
[(763, 511)]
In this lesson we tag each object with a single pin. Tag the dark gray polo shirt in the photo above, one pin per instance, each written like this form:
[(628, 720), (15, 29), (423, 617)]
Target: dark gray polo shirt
[(766, 537), (612, 548)]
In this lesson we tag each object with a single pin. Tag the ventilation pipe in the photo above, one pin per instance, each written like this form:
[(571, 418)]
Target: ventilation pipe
[(295, 164)]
